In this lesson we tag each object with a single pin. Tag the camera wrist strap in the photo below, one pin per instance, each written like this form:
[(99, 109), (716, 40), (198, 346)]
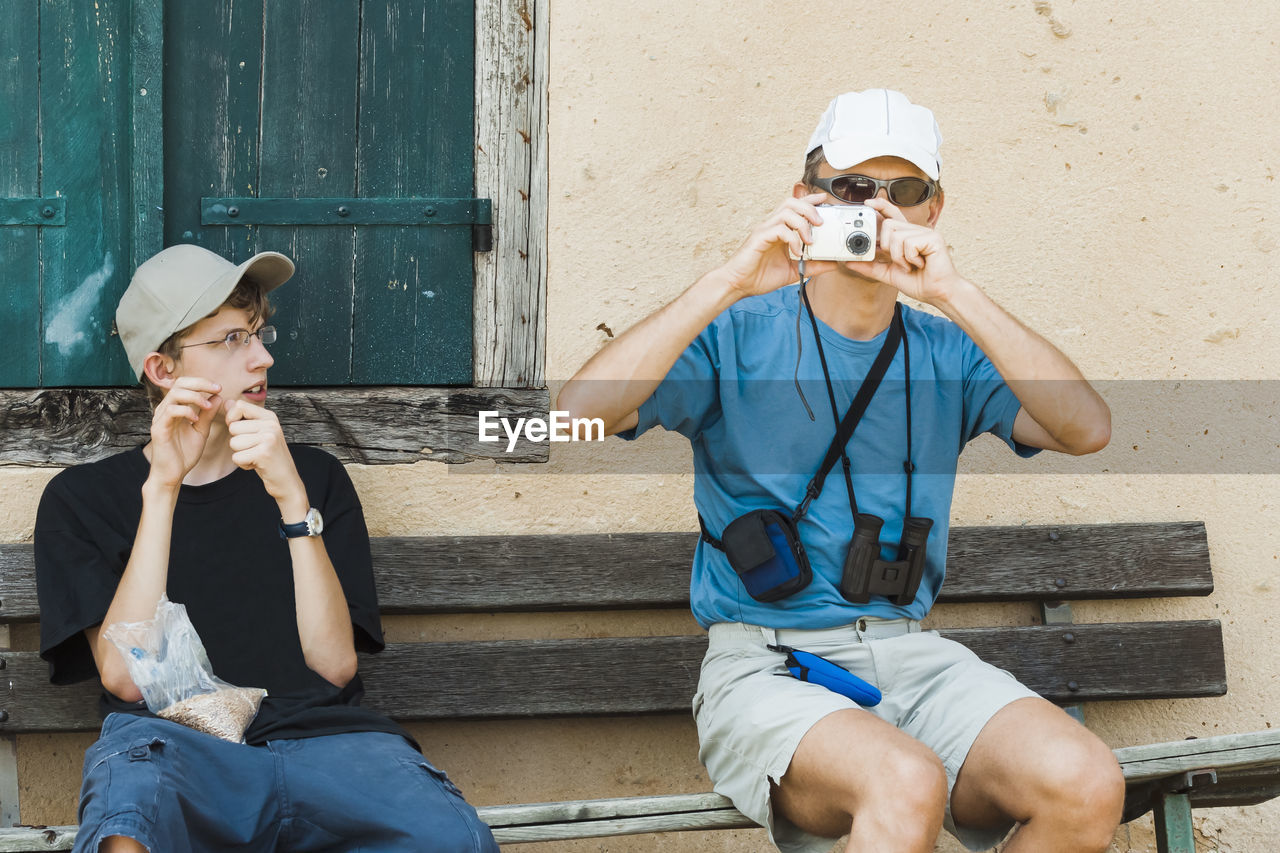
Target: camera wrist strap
[(847, 425)]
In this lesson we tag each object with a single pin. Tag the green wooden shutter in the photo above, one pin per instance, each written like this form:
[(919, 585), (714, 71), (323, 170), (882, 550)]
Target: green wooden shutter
[(67, 116), (360, 106), (19, 179), (365, 103)]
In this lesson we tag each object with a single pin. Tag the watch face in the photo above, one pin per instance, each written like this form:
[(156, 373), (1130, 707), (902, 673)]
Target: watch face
[(315, 524)]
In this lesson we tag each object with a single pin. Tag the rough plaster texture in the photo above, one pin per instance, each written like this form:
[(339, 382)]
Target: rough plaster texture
[(1110, 176)]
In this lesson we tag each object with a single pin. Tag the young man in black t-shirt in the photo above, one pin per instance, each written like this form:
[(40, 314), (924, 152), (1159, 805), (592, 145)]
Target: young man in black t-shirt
[(266, 546)]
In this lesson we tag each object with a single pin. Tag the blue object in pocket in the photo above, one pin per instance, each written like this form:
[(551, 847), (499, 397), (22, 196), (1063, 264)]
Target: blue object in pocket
[(816, 669)]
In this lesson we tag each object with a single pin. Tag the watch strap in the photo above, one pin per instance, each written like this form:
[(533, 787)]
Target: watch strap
[(298, 529)]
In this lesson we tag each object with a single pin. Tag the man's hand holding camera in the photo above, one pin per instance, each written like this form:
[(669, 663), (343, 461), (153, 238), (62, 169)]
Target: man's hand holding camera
[(767, 260), (913, 258)]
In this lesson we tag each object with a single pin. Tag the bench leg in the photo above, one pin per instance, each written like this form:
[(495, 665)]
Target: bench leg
[(8, 781), (8, 759), (1173, 824)]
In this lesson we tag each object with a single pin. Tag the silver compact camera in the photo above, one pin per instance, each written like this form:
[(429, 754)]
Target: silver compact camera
[(847, 233)]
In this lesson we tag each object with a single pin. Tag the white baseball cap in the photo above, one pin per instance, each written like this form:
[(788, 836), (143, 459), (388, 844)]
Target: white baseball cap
[(858, 126), (180, 286)]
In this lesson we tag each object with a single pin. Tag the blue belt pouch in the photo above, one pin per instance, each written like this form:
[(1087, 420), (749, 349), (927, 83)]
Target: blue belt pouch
[(815, 669)]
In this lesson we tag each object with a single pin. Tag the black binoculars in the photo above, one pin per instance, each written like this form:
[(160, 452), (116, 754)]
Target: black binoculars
[(865, 574)]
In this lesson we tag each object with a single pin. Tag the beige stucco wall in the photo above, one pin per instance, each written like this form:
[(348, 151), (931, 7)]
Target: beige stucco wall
[(1110, 173)]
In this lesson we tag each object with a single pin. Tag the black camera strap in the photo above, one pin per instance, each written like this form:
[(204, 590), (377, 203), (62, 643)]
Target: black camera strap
[(846, 426), (844, 432)]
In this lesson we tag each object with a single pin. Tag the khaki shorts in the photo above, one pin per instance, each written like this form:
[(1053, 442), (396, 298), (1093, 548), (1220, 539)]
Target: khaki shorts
[(750, 720)]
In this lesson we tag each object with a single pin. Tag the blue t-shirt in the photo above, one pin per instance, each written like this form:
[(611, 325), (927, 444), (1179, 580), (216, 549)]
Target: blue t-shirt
[(733, 393)]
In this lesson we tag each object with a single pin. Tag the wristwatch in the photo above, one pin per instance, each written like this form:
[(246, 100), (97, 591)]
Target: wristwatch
[(312, 525)]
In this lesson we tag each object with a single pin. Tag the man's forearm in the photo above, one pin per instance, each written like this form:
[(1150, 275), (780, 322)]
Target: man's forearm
[(324, 620), (145, 578), (1051, 389), (625, 373)]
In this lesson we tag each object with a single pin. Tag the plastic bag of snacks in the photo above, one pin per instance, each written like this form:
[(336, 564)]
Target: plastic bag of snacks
[(168, 663)]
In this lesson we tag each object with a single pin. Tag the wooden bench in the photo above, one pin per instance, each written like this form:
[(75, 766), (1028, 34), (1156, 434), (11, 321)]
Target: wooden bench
[(1066, 662)]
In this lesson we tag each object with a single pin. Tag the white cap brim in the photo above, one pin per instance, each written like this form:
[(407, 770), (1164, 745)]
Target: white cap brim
[(849, 151)]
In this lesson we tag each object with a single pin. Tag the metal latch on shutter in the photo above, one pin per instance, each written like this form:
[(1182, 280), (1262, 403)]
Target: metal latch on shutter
[(33, 211), (476, 212)]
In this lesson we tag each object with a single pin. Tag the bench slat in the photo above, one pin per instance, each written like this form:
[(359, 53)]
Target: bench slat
[(1159, 760), (1228, 754), (679, 822), (1247, 768), (1045, 563), (600, 809), (1135, 660), (25, 839), (456, 574), (638, 675)]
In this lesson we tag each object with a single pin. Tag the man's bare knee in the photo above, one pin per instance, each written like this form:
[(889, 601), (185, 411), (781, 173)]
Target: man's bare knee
[(895, 789), (910, 789), (120, 844), (1080, 796), (919, 778), (1088, 794), (903, 803)]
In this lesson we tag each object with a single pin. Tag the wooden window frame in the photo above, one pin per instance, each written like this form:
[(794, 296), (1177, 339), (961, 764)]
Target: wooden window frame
[(393, 424)]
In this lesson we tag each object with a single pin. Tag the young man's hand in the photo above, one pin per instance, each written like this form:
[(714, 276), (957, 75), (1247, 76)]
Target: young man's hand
[(180, 427), (765, 261), (912, 258), (258, 444)]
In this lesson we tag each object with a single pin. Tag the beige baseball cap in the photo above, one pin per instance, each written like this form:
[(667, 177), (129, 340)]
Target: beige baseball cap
[(182, 285), (859, 126)]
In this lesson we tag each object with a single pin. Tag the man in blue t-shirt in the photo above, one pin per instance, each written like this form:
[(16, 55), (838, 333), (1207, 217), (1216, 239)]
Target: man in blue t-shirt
[(757, 372)]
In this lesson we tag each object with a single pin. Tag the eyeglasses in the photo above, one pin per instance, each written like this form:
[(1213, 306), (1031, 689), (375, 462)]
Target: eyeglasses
[(856, 189), (239, 339)]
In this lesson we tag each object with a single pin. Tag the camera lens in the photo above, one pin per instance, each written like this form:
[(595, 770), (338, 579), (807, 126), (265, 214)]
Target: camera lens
[(858, 243)]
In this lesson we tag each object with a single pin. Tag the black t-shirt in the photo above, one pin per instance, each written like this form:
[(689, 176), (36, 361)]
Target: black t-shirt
[(231, 569)]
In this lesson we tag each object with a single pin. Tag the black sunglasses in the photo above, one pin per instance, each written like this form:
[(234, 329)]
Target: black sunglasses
[(856, 189)]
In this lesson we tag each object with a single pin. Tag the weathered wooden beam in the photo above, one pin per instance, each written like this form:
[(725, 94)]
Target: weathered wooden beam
[(636, 570), (645, 675), (31, 839), (729, 818), (1073, 562), (1223, 770), (458, 574), (611, 808), (1135, 660), (371, 426), (510, 327), (1236, 751)]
